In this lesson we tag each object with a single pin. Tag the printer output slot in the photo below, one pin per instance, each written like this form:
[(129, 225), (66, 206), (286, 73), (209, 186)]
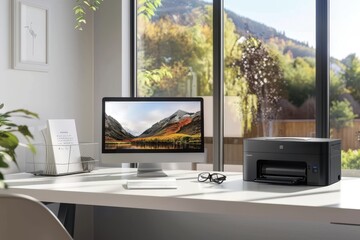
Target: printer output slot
[(281, 180), (281, 172)]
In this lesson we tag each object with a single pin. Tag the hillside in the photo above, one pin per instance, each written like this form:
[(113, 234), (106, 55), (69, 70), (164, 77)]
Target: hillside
[(182, 12)]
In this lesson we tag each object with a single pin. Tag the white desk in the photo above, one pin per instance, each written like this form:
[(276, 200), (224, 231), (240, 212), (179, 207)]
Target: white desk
[(336, 204)]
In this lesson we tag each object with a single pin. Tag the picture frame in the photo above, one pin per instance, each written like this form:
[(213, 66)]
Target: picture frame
[(30, 25)]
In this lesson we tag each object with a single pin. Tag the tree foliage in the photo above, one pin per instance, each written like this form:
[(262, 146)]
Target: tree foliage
[(341, 114), (175, 58), (259, 74), (351, 76), (262, 71), (148, 83), (350, 159), (299, 75), (185, 49)]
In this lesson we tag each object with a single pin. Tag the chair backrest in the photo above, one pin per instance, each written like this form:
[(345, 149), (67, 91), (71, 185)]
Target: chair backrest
[(24, 217)]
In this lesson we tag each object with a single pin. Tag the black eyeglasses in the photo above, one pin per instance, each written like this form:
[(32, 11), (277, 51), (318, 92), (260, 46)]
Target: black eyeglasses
[(215, 177)]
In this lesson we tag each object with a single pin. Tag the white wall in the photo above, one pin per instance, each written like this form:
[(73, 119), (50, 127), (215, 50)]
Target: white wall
[(112, 56), (66, 90)]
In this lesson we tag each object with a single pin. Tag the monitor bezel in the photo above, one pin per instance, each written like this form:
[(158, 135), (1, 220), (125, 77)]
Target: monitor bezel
[(152, 99)]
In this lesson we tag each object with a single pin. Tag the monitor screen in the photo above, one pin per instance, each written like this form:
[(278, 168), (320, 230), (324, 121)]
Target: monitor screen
[(152, 125)]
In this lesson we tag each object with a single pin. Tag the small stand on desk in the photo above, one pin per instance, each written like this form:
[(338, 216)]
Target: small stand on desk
[(150, 170), (68, 159)]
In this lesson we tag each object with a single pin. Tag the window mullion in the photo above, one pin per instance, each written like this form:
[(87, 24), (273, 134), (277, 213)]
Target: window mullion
[(322, 68), (218, 85)]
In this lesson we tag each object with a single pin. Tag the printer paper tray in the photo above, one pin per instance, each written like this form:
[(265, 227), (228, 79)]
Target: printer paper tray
[(291, 180)]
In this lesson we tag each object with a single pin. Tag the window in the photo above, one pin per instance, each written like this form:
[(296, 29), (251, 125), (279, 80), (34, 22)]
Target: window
[(271, 86), (175, 52), (345, 79), (269, 71), (174, 49)]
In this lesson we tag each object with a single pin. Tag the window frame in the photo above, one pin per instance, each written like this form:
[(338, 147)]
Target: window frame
[(322, 68)]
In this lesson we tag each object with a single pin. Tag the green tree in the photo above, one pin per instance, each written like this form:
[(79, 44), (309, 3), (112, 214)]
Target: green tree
[(351, 75), (235, 83), (187, 49), (350, 159), (299, 76), (337, 86), (149, 81), (261, 68), (341, 114)]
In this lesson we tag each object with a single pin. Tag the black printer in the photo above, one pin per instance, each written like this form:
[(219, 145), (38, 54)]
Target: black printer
[(285, 160)]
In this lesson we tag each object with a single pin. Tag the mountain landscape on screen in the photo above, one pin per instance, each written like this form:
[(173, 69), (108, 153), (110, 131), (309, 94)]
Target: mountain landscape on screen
[(181, 130), (114, 130)]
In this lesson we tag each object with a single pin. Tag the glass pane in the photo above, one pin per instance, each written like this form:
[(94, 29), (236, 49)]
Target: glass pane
[(269, 71), (175, 53), (345, 79)]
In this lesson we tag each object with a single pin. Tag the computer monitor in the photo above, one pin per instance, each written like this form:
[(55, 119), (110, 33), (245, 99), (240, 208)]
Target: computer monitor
[(151, 131)]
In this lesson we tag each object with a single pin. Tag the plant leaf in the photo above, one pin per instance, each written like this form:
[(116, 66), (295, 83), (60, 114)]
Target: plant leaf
[(3, 164), (24, 130), (2, 183), (24, 111), (32, 148), (8, 140)]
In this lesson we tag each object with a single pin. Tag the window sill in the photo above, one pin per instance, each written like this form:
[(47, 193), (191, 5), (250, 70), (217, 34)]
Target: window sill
[(350, 172)]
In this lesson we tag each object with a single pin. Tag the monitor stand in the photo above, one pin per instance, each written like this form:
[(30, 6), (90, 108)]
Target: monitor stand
[(150, 170)]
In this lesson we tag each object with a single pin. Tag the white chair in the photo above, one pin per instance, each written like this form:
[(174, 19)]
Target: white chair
[(24, 217)]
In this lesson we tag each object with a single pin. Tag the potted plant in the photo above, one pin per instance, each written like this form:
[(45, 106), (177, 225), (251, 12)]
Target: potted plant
[(8, 139)]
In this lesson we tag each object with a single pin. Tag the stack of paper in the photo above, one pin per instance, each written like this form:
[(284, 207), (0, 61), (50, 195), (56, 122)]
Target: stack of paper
[(62, 147)]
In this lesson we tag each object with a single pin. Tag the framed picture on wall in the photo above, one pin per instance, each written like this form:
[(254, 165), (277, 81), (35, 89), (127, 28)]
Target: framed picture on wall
[(30, 35)]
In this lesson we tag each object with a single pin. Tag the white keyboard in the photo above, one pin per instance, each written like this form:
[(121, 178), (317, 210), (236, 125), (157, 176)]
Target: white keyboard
[(159, 183)]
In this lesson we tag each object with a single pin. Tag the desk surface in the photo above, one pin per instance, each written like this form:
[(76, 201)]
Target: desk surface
[(339, 202)]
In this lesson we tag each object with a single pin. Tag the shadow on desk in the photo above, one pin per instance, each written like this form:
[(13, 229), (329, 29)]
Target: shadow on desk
[(29, 179)]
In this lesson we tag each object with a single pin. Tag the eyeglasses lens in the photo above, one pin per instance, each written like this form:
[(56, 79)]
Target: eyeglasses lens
[(218, 178), (203, 176)]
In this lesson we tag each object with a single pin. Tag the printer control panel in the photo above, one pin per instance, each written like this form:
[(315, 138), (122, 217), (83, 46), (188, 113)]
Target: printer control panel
[(315, 169)]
